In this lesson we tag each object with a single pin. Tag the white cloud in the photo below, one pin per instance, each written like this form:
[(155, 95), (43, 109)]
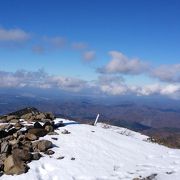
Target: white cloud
[(170, 89), (147, 90), (39, 79), (115, 85), (89, 56), (65, 83), (13, 35), (168, 73), (121, 64), (112, 85)]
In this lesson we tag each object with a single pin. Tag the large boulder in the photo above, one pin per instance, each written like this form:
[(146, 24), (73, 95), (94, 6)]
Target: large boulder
[(14, 166), (42, 145), (38, 132), (21, 154), (3, 133), (37, 125)]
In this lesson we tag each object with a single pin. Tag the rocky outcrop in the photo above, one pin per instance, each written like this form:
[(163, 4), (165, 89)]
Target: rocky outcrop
[(19, 136), (29, 114)]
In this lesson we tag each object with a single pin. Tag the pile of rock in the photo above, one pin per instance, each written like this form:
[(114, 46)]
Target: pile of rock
[(19, 134), (28, 114)]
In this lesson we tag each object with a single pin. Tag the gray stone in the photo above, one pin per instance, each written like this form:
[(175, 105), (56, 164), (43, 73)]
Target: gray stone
[(31, 137), (4, 147), (37, 132), (53, 133), (42, 145), (14, 166), (36, 156)]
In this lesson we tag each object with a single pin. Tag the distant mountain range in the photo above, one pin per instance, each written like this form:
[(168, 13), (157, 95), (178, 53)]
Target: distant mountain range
[(150, 115)]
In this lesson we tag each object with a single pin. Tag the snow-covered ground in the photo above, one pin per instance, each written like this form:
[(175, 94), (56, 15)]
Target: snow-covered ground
[(102, 152)]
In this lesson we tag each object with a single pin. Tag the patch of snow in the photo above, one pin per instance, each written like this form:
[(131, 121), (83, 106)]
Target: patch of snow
[(102, 153)]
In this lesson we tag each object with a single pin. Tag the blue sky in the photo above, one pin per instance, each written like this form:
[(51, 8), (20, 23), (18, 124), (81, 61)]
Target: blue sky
[(75, 38)]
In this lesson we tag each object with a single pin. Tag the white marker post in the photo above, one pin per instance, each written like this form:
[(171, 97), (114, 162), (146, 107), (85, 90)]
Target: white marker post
[(96, 120)]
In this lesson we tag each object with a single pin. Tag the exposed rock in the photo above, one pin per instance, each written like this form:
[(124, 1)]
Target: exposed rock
[(27, 116), (8, 127), (21, 154), (11, 117), (3, 133), (17, 134), (49, 152), (61, 157), (5, 147), (25, 111), (49, 128), (14, 166), (21, 137), (2, 127), (3, 156), (37, 125), (13, 142), (48, 122), (14, 121), (40, 116), (27, 145), (65, 131), (18, 125), (36, 156), (42, 145), (31, 137), (151, 177), (37, 132), (54, 138), (16, 146), (49, 115), (53, 133), (10, 132), (1, 165), (3, 119), (31, 114)]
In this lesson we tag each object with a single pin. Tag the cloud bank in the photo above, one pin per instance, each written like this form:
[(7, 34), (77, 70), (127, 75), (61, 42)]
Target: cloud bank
[(39, 79), (105, 84), (167, 73)]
